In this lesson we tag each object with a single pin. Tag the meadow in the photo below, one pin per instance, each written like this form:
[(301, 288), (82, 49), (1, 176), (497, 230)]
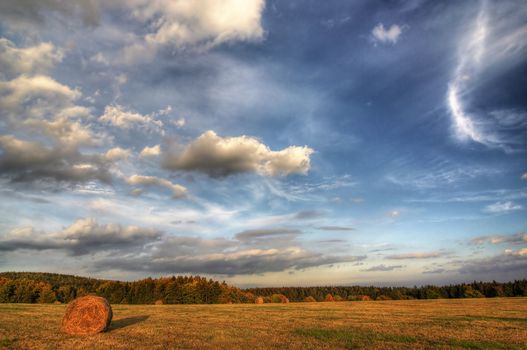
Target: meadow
[(497, 323)]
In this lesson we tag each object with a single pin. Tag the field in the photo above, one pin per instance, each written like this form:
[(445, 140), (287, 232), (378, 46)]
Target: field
[(499, 323)]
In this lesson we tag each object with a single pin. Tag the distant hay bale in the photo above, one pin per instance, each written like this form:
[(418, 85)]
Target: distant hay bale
[(56, 302), (359, 298), (259, 300), (310, 299), (279, 298), (87, 315), (158, 302)]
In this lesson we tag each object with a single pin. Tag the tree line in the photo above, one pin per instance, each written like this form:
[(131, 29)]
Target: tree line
[(464, 290), (33, 287), (30, 287)]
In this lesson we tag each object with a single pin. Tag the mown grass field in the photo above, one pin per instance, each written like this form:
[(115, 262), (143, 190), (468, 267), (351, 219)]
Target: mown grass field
[(419, 324)]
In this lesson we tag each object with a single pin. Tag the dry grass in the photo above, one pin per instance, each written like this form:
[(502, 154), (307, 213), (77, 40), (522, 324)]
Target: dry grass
[(418, 324)]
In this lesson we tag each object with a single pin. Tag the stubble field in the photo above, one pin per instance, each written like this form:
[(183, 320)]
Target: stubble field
[(499, 323)]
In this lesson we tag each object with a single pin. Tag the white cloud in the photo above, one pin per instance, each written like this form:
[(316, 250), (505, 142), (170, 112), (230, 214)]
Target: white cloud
[(117, 153), (524, 176), (150, 151), (222, 156), (99, 57), (391, 35), (203, 23), (179, 122), (489, 43), (178, 191), (470, 55), (36, 107), (395, 213), (30, 60), (117, 116), (41, 105), (502, 207)]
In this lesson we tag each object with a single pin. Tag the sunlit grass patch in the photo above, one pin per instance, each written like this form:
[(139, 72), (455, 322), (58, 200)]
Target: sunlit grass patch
[(480, 345), (502, 319), (352, 336)]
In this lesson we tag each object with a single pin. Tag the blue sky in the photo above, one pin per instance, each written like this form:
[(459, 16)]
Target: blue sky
[(265, 142)]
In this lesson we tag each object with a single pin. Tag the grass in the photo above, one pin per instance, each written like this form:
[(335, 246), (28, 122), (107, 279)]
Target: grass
[(419, 324)]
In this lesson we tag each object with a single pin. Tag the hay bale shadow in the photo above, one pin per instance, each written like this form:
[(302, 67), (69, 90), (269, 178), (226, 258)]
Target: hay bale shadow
[(125, 322)]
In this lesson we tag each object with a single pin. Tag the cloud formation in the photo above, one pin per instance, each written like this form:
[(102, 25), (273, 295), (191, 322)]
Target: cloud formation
[(219, 156), (38, 59), (117, 153), (45, 122), (240, 262), (179, 24), (517, 238), (178, 191), (416, 255), (505, 264), (153, 151), (117, 116), (85, 236), (383, 267), (30, 14), (494, 39), (133, 248), (26, 161), (198, 24), (335, 228), (250, 235), (502, 207), (382, 35)]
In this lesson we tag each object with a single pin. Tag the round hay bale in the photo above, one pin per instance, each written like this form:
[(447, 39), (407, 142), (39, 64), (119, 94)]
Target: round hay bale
[(87, 315), (159, 302), (259, 300)]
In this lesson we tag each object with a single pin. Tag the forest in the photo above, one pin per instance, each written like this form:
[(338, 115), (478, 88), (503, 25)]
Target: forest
[(36, 287)]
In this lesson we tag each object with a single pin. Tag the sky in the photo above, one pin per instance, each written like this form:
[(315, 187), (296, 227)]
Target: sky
[(265, 143)]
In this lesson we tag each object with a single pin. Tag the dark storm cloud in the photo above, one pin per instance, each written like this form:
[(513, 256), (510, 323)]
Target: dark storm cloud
[(309, 214), (29, 162), (237, 263), (415, 255), (335, 228), (24, 13), (383, 267), (83, 237), (333, 241), (140, 249), (13, 244), (512, 262), (436, 271), (248, 235)]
